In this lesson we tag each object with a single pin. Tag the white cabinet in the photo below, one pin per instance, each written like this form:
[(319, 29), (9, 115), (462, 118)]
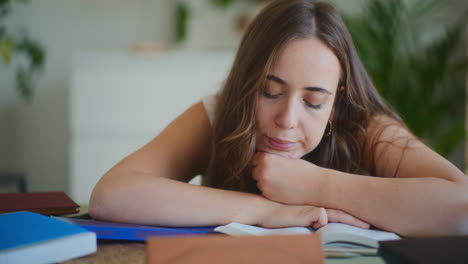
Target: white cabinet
[(120, 101)]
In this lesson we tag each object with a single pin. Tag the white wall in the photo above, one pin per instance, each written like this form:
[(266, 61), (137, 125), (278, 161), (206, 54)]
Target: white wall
[(7, 122), (38, 132)]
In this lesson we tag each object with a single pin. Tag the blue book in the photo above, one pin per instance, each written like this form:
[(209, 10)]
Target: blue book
[(27, 237), (120, 231)]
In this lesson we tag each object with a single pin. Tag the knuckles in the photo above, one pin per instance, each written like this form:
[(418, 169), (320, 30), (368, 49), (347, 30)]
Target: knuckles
[(262, 173)]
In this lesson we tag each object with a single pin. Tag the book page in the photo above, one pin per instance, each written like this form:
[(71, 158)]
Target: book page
[(331, 233), (337, 232), (236, 229)]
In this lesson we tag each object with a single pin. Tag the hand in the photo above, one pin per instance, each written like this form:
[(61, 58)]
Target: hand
[(335, 215), (293, 181), (279, 215), (286, 180)]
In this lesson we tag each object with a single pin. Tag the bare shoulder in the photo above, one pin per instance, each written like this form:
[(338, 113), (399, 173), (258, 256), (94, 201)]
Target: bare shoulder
[(398, 153), (389, 130)]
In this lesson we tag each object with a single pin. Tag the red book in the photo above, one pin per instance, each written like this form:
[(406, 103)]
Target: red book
[(46, 203), (274, 249)]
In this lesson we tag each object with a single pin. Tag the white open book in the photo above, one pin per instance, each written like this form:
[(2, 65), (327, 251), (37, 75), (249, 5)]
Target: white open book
[(334, 236)]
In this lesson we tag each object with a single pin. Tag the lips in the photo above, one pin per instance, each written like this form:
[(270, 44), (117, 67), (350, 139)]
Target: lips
[(280, 144)]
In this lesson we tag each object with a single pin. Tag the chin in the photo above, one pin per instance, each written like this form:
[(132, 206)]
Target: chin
[(280, 153), (285, 154)]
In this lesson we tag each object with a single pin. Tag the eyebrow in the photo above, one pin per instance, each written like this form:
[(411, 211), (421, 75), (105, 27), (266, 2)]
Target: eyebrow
[(277, 79)]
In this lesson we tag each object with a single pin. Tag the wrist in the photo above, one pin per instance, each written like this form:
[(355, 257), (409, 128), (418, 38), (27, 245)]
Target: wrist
[(252, 209), (320, 182), (263, 211)]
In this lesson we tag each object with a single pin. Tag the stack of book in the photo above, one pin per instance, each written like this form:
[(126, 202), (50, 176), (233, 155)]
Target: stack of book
[(29, 235)]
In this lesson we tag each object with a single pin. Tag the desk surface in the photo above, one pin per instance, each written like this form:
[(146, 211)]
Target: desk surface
[(114, 253), (129, 252)]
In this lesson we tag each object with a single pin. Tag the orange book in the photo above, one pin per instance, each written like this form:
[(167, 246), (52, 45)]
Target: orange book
[(46, 203), (291, 249)]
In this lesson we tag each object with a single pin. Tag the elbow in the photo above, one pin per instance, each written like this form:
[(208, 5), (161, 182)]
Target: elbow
[(461, 219), (450, 220), (99, 205), (95, 205), (457, 221), (462, 225)]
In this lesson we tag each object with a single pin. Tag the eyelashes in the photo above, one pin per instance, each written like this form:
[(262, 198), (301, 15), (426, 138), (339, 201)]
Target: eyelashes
[(276, 96), (271, 96), (312, 105)]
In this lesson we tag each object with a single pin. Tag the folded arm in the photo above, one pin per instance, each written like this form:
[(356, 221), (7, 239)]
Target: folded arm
[(417, 193), (408, 206)]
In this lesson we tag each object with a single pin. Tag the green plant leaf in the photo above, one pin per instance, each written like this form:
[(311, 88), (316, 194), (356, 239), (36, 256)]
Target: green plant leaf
[(24, 84), (222, 3), (34, 51), (7, 48), (182, 16), (449, 141)]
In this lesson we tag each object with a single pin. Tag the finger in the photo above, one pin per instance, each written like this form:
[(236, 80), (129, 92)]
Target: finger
[(255, 173), (317, 225), (259, 186), (322, 219), (345, 218)]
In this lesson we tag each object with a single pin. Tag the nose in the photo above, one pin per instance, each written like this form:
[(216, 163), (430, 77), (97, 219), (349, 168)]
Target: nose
[(287, 115)]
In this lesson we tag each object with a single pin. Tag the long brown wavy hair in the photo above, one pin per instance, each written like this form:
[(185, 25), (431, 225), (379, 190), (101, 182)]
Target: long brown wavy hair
[(347, 149)]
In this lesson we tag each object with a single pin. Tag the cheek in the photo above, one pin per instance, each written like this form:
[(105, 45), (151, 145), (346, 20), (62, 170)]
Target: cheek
[(263, 117), (313, 136)]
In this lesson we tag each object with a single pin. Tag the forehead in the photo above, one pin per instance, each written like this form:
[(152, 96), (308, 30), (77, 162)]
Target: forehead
[(308, 62)]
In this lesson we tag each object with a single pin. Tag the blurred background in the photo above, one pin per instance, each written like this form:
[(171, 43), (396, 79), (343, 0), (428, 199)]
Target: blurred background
[(85, 83)]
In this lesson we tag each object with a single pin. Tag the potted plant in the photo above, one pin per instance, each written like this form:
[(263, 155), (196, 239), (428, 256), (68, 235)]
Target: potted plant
[(419, 72), (20, 51), (26, 57), (184, 12)]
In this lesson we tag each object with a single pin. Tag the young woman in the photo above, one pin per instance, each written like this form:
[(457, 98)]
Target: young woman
[(298, 136)]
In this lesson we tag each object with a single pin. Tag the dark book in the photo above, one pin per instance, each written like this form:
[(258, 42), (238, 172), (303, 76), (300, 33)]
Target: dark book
[(46, 203), (450, 249)]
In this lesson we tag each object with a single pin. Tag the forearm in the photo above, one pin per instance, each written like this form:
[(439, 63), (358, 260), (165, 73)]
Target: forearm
[(408, 206), (152, 200)]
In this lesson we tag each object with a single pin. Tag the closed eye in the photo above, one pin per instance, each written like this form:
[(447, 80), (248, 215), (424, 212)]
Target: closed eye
[(312, 105), (276, 96), (271, 96)]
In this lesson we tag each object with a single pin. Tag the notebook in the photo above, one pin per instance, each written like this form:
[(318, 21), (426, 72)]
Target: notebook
[(34, 238), (334, 236), (47, 203), (121, 231), (291, 249), (447, 249)]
